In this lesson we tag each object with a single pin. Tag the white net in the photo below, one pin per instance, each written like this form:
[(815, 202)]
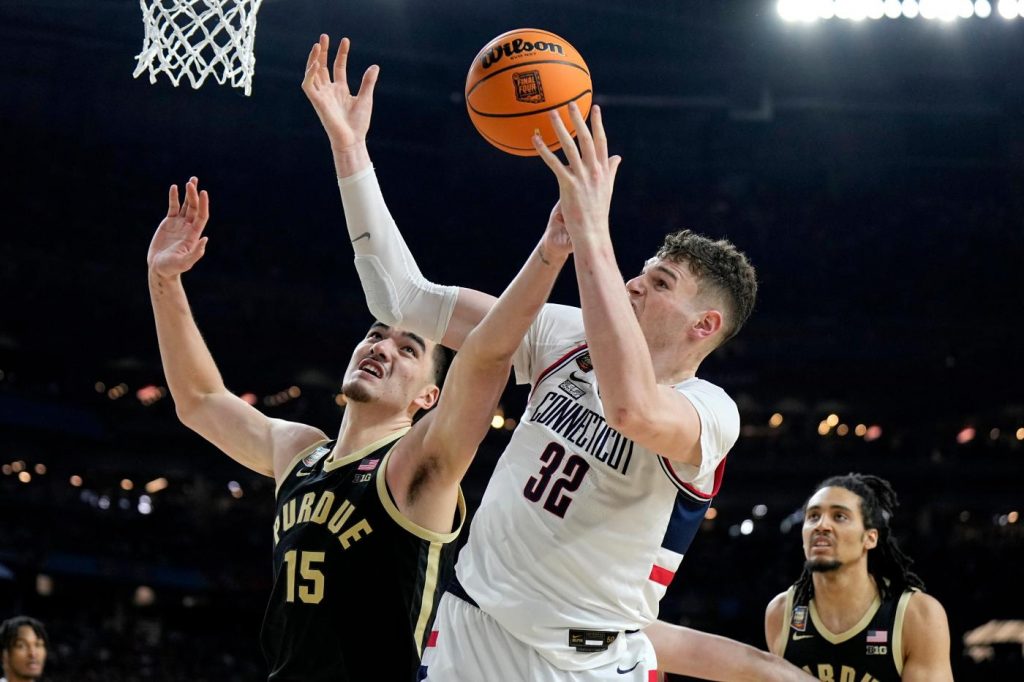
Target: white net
[(197, 38)]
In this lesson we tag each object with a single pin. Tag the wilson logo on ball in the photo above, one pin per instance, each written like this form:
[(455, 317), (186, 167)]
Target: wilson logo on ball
[(517, 80), (518, 46)]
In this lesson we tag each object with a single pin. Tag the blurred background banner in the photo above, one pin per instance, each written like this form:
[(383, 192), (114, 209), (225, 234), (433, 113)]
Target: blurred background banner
[(868, 156)]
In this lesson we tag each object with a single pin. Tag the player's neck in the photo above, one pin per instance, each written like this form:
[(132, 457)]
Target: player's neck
[(674, 365), (843, 596), (367, 423)]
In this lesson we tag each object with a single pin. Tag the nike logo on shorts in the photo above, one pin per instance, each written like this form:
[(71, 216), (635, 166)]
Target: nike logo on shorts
[(364, 234), (572, 375), (796, 637), (303, 473), (629, 670)]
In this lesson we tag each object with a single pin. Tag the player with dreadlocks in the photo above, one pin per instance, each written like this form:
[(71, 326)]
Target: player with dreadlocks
[(858, 613)]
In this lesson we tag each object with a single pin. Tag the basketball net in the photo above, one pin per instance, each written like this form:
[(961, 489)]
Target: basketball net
[(197, 38)]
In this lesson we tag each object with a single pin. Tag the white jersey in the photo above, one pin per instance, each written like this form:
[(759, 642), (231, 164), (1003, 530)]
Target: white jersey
[(580, 527)]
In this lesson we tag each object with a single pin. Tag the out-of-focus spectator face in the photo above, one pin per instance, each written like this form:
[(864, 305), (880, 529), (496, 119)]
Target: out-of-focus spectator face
[(25, 659)]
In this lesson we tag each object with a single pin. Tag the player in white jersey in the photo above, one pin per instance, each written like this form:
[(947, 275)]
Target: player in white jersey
[(582, 526)]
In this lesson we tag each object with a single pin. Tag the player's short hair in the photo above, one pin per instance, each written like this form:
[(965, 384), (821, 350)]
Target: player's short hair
[(442, 357), (9, 630), (721, 270)]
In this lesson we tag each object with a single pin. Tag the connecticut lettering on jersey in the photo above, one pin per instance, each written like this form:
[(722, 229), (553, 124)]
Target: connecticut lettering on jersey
[(324, 509), (585, 428)]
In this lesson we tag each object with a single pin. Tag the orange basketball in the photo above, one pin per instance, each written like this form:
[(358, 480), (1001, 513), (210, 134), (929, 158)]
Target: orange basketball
[(517, 79)]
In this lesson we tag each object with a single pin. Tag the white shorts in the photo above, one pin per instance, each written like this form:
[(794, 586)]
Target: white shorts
[(467, 645)]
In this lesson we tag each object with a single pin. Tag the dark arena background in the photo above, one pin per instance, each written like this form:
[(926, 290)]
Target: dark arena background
[(872, 168)]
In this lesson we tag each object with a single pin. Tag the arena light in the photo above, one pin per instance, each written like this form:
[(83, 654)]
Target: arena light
[(966, 435), (797, 10), (983, 9), (775, 421), (1008, 9), (156, 485), (747, 527), (893, 9), (497, 421), (910, 9)]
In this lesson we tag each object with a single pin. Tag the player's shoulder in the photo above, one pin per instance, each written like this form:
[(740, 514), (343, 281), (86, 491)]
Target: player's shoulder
[(776, 605), (924, 612)]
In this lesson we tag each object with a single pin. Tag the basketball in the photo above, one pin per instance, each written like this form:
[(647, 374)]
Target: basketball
[(516, 80)]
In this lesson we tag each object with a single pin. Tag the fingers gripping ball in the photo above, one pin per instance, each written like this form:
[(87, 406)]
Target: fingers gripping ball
[(516, 80)]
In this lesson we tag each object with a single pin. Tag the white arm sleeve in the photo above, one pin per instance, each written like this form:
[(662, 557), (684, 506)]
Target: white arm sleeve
[(396, 292)]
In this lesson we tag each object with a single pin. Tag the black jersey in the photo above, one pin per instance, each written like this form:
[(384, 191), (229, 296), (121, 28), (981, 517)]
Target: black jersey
[(870, 651), (352, 576)]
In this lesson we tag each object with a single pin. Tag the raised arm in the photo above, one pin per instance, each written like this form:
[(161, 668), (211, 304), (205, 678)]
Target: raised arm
[(684, 651), (926, 641), (202, 401), (441, 447), (657, 417), (396, 291)]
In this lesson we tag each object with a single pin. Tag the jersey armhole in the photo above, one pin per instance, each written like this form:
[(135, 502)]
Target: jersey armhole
[(787, 620), (897, 636), (407, 524)]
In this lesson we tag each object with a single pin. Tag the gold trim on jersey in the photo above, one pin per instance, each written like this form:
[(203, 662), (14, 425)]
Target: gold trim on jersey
[(407, 524), (897, 635), (855, 629), (429, 585), (330, 465), (787, 621), (295, 460)]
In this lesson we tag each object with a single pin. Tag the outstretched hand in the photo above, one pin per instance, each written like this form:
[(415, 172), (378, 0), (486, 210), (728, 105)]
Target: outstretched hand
[(585, 184), (345, 117), (178, 243)]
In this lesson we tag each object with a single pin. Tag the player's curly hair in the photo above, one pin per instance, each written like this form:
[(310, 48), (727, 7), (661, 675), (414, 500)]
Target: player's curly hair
[(720, 268), (886, 562)]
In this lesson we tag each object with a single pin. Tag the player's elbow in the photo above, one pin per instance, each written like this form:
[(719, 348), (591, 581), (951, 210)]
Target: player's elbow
[(627, 420)]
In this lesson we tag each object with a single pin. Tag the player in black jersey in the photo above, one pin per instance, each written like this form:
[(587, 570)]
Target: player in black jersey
[(858, 613), (366, 522)]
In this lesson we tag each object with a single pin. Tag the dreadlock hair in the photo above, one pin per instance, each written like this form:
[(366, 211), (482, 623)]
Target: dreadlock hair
[(887, 563)]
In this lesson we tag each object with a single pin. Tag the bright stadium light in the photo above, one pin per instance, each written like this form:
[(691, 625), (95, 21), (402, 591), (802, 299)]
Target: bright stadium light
[(911, 9), (826, 9), (929, 9), (983, 9), (965, 9), (1008, 9), (893, 10), (796, 10)]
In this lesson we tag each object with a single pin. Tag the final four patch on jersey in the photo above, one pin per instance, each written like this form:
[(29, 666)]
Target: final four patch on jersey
[(584, 363), (315, 456), (799, 622)]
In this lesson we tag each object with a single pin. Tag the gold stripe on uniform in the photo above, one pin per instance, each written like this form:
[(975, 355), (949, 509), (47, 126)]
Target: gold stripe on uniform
[(833, 638), (783, 639), (295, 460), (429, 585), (897, 635)]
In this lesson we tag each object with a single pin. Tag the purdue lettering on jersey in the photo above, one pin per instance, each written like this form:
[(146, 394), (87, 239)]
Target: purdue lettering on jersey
[(342, 550), (870, 651)]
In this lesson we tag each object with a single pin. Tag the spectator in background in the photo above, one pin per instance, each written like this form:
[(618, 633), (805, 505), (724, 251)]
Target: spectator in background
[(23, 642)]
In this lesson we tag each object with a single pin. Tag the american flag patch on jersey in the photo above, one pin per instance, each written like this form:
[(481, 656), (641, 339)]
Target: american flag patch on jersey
[(368, 465), (878, 636)]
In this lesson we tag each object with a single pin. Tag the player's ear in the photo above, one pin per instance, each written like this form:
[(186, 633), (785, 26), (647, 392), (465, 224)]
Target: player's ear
[(428, 397), (871, 538), (709, 322)]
